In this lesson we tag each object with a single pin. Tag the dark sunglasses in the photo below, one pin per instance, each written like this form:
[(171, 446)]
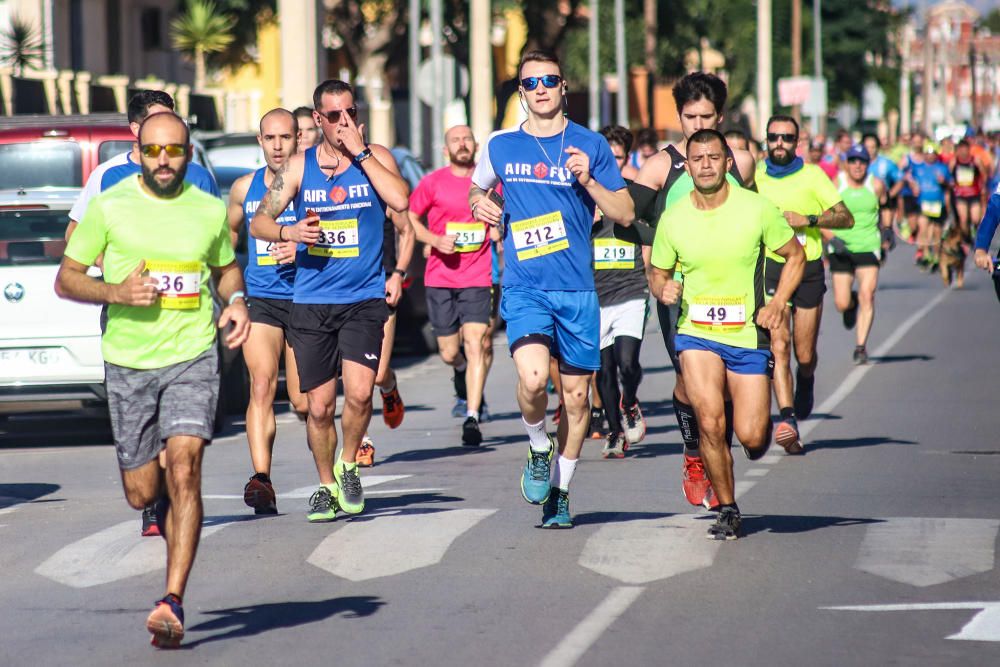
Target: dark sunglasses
[(549, 81), (334, 116), (154, 150), (787, 137)]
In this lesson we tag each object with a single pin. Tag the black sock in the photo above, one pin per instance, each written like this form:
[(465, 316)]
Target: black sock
[(728, 407), (688, 423), (459, 380), (732, 506), (788, 413), (802, 379), (262, 476)]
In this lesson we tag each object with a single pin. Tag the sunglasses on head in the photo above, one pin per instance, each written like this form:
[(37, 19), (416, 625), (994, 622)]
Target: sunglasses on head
[(334, 116), (549, 81), (787, 137), (154, 150)]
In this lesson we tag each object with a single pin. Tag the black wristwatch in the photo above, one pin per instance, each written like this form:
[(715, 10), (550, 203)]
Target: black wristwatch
[(363, 155), (401, 272), (813, 220)]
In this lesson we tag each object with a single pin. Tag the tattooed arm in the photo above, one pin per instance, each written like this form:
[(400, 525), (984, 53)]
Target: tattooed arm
[(283, 188)]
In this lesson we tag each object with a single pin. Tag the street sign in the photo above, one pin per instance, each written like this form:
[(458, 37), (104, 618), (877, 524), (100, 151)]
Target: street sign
[(425, 77), (794, 90)]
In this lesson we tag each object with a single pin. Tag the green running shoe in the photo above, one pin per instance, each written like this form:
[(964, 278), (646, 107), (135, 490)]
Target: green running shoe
[(352, 497), (535, 476), (322, 506), (555, 514)]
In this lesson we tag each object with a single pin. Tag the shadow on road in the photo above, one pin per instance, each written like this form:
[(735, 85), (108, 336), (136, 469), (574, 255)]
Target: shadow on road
[(616, 517), (895, 358), (26, 492), (254, 620), (416, 455), (792, 524), (850, 443)]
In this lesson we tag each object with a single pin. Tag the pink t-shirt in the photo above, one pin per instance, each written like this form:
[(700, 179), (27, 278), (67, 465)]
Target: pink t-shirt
[(444, 199)]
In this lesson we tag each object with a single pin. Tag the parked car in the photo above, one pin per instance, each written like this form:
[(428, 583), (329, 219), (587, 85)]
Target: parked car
[(233, 150)]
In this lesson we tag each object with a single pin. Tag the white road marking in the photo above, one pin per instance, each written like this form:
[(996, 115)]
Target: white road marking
[(927, 551), (583, 636), (742, 486), (984, 626), (771, 459), (622, 550), (358, 550), (112, 554), (367, 481), (756, 472)]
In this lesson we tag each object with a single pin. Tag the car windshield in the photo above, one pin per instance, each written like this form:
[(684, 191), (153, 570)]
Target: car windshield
[(39, 164), (109, 149), (29, 236)]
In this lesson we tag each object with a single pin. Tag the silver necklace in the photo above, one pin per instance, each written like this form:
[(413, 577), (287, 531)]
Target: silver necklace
[(562, 142)]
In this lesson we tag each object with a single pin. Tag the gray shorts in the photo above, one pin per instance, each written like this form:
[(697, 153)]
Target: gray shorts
[(448, 308), (149, 406)]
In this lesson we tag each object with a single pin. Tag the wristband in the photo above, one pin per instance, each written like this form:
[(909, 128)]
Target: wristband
[(281, 228), (238, 294), (401, 273), (363, 155), (813, 220)]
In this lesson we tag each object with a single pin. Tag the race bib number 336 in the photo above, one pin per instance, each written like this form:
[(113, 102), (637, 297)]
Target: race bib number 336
[(719, 313), (179, 283), (337, 238), (539, 236)]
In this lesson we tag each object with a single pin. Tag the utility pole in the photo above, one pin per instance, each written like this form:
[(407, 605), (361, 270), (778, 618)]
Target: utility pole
[(972, 75), (481, 66), (797, 50), (904, 83), (593, 85), (819, 120), (652, 66), (763, 64), (622, 65), (437, 109), (416, 106)]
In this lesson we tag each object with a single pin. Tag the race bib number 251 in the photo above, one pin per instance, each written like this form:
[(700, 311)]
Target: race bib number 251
[(539, 236), (179, 283)]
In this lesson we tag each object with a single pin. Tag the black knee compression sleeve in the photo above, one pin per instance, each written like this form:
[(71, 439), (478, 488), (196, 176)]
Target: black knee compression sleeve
[(688, 424), (627, 357), (607, 388)]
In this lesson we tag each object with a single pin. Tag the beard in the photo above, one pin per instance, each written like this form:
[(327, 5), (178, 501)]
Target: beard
[(461, 158), (171, 187), (784, 159), (710, 188)]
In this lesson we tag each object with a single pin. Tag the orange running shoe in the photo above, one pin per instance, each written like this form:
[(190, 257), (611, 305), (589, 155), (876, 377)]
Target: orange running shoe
[(392, 408), (366, 453), (166, 623), (786, 434), (697, 488)]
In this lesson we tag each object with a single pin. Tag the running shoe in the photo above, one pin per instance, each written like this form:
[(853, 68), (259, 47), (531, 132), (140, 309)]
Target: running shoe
[(392, 408), (535, 476), (484, 413), (366, 452), (558, 415), (786, 434), (460, 408), (166, 622), (615, 446), (851, 314), (471, 436), (635, 423), (804, 395), (904, 230), (694, 482), (259, 494), (596, 427), (860, 355), (728, 525), (555, 513), (149, 527), (351, 497), (322, 506)]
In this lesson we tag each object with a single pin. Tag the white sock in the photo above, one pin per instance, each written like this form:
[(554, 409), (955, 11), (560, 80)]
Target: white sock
[(562, 472), (472, 413), (390, 386), (537, 436)]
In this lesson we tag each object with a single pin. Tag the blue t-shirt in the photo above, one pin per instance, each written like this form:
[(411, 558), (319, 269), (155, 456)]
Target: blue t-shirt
[(926, 176), (547, 213), (196, 175), (885, 170), (263, 276), (345, 265)]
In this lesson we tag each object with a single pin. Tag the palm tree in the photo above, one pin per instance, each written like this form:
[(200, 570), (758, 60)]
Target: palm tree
[(21, 45), (202, 29)]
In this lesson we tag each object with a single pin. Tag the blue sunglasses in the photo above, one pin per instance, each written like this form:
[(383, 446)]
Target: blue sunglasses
[(549, 81)]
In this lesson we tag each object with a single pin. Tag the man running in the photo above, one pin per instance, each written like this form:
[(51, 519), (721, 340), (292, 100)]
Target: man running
[(308, 134), (854, 253), (930, 182), (270, 280), (718, 234), (554, 173), (969, 176), (458, 274), (700, 100), (810, 202), (888, 172), (162, 242), (342, 187)]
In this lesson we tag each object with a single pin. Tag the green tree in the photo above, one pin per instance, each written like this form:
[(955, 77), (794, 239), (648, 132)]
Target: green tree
[(21, 45), (991, 21), (200, 30), (250, 15)]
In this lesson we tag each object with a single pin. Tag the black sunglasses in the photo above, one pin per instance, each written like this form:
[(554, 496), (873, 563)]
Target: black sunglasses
[(334, 116), (549, 81), (154, 150), (787, 137)]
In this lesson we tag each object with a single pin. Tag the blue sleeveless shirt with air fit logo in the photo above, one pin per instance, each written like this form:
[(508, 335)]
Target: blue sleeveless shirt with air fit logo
[(264, 277)]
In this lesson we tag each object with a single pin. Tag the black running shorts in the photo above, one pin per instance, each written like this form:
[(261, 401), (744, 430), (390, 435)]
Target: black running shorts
[(810, 291)]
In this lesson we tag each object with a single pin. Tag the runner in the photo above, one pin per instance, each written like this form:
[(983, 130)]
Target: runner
[(718, 234), (622, 292), (458, 274), (162, 241), (910, 208), (646, 146), (930, 183), (342, 188), (700, 99), (984, 237), (270, 279), (554, 172), (969, 176), (888, 172), (308, 134), (810, 202), (854, 253)]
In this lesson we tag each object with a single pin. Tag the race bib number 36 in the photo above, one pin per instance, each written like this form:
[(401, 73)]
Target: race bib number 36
[(539, 236), (469, 236), (718, 313), (337, 238), (613, 254), (179, 283)]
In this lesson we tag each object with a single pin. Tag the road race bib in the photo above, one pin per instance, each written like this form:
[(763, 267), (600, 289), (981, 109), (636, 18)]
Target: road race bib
[(539, 236), (613, 254), (337, 238), (179, 283), (718, 313), (264, 249), (469, 236), (965, 176), (931, 209), (801, 236)]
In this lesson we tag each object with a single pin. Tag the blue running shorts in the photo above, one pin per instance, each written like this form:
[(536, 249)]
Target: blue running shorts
[(739, 360), (570, 319)]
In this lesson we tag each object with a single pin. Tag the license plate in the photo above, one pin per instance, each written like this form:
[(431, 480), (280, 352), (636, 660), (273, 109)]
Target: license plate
[(14, 360)]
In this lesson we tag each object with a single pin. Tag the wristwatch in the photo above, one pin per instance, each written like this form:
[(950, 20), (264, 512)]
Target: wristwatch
[(363, 155), (813, 220), (401, 272)]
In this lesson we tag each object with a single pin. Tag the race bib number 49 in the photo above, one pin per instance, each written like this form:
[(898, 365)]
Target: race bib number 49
[(179, 283), (613, 254), (469, 236), (337, 238), (539, 236), (718, 313)]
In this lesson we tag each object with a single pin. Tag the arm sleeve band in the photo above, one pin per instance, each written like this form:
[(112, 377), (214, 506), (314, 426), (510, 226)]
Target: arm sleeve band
[(644, 198)]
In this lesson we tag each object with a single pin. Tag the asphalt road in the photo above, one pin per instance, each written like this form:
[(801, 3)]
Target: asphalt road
[(875, 547)]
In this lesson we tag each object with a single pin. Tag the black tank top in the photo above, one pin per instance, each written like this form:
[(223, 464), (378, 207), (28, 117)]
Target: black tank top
[(677, 162)]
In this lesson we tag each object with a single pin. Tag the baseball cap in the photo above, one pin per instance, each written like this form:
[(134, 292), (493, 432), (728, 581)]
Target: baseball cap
[(858, 152)]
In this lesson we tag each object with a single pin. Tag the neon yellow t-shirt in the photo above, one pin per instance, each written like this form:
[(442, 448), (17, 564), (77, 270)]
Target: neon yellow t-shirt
[(179, 239), (809, 191), (721, 255)]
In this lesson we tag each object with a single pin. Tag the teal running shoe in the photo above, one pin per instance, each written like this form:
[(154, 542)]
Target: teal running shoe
[(555, 514), (535, 477)]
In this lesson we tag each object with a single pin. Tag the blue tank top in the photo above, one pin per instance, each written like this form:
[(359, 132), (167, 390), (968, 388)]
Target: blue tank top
[(345, 266), (264, 277)]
